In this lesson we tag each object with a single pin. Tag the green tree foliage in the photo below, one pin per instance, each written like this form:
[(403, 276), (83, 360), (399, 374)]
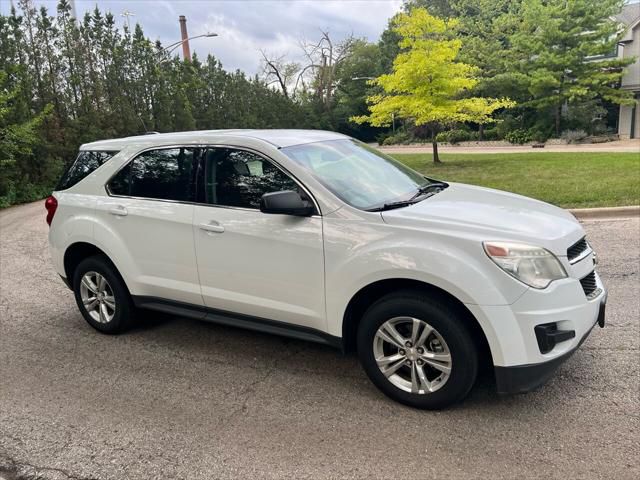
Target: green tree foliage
[(561, 54), (389, 46), (428, 84), (362, 63), (437, 8), (552, 57), (69, 81), (19, 140)]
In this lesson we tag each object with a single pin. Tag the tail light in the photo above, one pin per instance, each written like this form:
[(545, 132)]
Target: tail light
[(51, 204)]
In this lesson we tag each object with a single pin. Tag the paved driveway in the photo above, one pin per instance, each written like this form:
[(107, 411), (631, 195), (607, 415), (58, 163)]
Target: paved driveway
[(182, 399)]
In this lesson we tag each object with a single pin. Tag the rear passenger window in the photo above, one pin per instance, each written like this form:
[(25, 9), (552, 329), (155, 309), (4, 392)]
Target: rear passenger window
[(166, 174), (85, 163)]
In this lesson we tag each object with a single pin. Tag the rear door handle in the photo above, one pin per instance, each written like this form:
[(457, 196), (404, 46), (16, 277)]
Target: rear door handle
[(213, 227), (118, 210)]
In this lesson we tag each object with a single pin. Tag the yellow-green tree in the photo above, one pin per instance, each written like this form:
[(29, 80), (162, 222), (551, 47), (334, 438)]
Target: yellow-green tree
[(427, 84)]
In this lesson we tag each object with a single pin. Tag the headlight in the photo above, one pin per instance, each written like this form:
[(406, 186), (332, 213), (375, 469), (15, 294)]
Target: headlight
[(534, 266)]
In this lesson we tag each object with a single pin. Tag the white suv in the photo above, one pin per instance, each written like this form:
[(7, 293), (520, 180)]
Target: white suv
[(317, 236)]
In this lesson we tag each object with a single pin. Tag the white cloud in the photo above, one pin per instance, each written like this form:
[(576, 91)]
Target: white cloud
[(279, 26)]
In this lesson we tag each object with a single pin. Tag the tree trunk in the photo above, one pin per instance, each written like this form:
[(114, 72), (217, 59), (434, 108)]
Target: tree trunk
[(481, 132), (436, 157), (558, 118)]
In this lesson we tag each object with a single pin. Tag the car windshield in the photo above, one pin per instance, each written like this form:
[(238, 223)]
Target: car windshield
[(356, 173)]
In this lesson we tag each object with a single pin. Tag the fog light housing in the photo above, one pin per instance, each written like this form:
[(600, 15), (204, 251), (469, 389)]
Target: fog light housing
[(549, 336)]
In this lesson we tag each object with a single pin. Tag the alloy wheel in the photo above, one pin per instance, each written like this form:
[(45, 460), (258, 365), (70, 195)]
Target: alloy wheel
[(412, 355), (97, 297)]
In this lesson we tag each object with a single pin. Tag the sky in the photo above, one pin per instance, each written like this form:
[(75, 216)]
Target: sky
[(246, 26)]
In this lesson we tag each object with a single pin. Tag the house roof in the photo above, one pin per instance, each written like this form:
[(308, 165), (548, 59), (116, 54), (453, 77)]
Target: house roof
[(629, 15)]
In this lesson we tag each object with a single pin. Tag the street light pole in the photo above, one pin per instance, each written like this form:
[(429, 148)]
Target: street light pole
[(186, 51), (173, 46), (170, 48)]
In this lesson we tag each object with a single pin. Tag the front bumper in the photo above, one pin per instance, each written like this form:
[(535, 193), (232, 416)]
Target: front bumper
[(524, 378), (520, 361)]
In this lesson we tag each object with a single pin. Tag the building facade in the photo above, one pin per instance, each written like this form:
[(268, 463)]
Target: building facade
[(629, 120)]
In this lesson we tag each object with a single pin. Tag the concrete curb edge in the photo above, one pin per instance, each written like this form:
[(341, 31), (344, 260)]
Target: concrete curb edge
[(609, 212)]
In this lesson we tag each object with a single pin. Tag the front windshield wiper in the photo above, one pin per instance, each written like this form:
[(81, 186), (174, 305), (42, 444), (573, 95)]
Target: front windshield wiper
[(428, 187), (400, 204), (424, 191)]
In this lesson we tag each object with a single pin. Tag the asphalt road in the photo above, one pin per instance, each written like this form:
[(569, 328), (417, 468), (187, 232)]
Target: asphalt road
[(182, 399)]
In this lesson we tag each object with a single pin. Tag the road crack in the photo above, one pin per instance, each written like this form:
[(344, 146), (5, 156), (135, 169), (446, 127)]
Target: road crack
[(13, 470), (245, 393)]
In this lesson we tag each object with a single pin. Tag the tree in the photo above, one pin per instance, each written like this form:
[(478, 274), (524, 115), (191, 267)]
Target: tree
[(389, 46), (562, 53), (352, 89), (427, 84), (324, 59), (277, 70), (437, 8), (18, 140), (102, 81)]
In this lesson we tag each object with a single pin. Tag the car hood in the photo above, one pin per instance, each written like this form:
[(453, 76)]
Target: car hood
[(493, 214)]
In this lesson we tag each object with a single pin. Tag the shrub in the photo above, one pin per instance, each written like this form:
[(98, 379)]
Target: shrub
[(574, 136), (400, 138), (519, 136), (491, 134), (15, 193), (456, 136), (507, 124)]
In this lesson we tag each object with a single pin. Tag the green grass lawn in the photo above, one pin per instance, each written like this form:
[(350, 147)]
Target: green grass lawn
[(570, 180)]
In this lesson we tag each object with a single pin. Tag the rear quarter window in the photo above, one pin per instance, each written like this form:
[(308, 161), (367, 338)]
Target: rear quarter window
[(85, 163)]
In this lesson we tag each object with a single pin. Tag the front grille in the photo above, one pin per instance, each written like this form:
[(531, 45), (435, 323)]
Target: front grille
[(577, 249), (590, 286)]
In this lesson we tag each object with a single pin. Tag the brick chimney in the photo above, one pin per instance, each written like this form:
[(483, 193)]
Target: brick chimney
[(186, 52)]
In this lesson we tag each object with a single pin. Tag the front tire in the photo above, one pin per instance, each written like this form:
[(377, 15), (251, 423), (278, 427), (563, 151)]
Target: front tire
[(102, 296), (416, 349)]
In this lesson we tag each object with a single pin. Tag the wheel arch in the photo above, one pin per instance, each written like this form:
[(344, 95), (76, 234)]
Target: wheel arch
[(373, 291), (77, 252)]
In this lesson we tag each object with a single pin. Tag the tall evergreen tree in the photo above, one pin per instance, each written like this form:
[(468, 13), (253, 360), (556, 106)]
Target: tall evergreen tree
[(73, 81), (562, 51)]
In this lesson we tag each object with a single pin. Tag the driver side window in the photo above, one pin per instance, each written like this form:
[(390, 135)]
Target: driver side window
[(238, 178)]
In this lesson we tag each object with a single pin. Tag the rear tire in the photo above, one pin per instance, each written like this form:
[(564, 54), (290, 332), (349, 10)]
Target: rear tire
[(416, 349), (102, 296)]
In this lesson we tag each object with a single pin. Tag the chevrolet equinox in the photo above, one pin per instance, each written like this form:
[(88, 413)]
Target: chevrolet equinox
[(317, 236)]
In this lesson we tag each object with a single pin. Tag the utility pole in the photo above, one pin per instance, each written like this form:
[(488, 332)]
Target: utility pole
[(126, 14), (186, 52)]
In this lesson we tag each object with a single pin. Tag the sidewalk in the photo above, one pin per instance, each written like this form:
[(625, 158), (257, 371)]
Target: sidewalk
[(620, 146)]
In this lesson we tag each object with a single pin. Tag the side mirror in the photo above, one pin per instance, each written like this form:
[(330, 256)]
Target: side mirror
[(286, 202)]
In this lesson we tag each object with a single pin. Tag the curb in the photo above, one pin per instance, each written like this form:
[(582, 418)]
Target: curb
[(603, 213)]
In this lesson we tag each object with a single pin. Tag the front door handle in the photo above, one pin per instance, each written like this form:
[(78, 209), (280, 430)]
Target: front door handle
[(213, 227), (118, 210)]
